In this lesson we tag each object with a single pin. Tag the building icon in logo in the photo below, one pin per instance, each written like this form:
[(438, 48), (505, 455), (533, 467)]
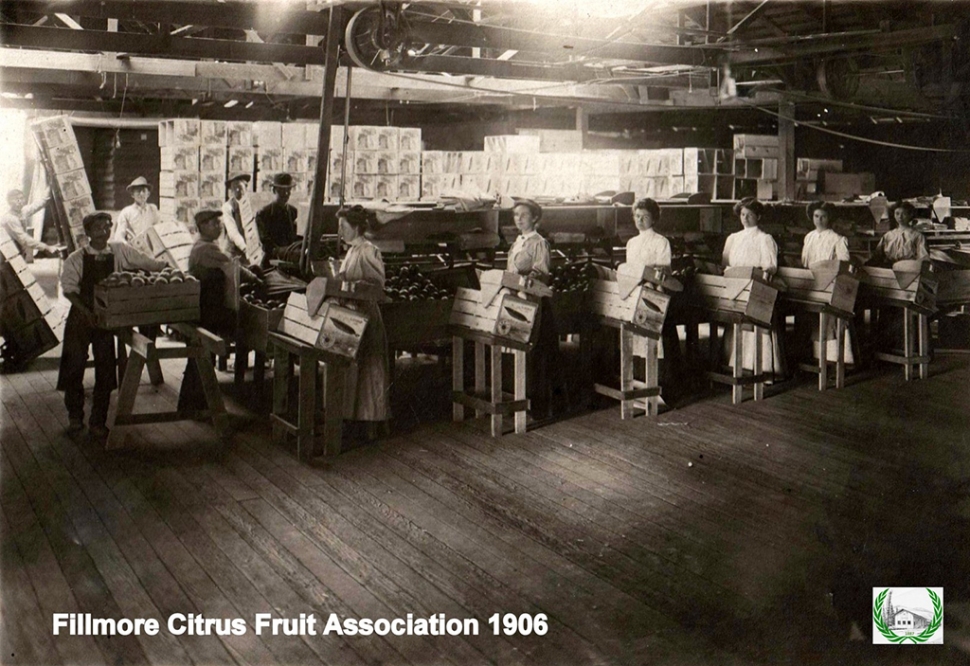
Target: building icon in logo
[(907, 615)]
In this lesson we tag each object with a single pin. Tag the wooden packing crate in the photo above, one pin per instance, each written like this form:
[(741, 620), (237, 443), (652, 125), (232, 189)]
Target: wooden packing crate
[(170, 242), (117, 307), (954, 288), (411, 324), (832, 283), (27, 342), (644, 308), (905, 288), (256, 323), (15, 275), (17, 311), (749, 297), (504, 316), (334, 329)]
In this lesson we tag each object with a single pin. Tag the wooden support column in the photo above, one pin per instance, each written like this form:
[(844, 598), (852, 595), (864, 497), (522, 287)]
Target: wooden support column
[(786, 152), (315, 219)]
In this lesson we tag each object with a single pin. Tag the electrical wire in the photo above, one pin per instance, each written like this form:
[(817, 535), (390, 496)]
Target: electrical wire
[(855, 106), (844, 135)]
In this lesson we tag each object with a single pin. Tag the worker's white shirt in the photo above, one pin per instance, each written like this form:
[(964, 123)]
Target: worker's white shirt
[(133, 220), (823, 246), (648, 248), (751, 247)]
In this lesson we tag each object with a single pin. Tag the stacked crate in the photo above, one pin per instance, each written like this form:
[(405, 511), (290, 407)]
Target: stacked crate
[(808, 173), (440, 173), (381, 163), (515, 165), (58, 145), (710, 171), (212, 164), (295, 159), (561, 174), (268, 139), (178, 183), (658, 174), (756, 165), (27, 320)]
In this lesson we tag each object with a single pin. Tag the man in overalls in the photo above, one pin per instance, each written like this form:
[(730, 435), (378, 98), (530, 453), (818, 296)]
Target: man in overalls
[(82, 270)]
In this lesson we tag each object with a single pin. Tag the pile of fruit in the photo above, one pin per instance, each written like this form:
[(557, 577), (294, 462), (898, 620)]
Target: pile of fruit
[(572, 277), (408, 283), (142, 279), (251, 295)]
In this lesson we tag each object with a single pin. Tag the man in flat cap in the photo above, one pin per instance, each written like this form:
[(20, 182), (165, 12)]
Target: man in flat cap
[(277, 221), (233, 241), (13, 223), (137, 217), (83, 269)]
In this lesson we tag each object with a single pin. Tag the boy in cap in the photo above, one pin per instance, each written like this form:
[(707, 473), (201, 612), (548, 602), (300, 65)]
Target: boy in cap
[(277, 221), (233, 241), (13, 223), (82, 270), (138, 216)]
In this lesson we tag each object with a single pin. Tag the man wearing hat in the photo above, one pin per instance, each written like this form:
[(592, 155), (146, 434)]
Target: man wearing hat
[(277, 221), (83, 269), (137, 217), (13, 223), (233, 241)]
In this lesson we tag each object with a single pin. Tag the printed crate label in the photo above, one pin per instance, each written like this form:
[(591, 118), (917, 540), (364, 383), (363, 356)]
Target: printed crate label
[(73, 184)]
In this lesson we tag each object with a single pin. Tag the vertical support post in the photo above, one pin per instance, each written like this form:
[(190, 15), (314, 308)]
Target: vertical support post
[(315, 216), (840, 359), (714, 353), (335, 377), (582, 122), (737, 390), (626, 372), (479, 373), (924, 344), (307, 410), (907, 344), (786, 150), (520, 389), (652, 376), (757, 363), (823, 351), (281, 386), (457, 376), (496, 388)]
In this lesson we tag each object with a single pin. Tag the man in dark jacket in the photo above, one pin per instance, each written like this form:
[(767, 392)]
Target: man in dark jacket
[(277, 221)]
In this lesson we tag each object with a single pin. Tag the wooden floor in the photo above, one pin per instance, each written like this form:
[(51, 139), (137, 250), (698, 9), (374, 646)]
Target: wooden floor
[(715, 534)]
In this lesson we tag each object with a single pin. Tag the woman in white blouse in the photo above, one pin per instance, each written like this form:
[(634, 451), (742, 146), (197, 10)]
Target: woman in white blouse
[(647, 248), (751, 246), (823, 244)]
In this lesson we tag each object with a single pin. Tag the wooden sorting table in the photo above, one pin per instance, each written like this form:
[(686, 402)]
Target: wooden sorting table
[(199, 347), (743, 301), (910, 287), (828, 290), (312, 417), (637, 307)]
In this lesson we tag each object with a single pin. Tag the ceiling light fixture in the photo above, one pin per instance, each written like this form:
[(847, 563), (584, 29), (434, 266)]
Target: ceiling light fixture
[(231, 103)]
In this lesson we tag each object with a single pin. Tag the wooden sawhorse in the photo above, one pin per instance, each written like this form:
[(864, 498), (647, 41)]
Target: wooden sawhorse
[(200, 346), (632, 390), (491, 400), (916, 328), (285, 350), (825, 315), (739, 377)]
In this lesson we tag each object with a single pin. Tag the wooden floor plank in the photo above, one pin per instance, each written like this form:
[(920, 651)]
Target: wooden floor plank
[(27, 637), (77, 564), (399, 587)]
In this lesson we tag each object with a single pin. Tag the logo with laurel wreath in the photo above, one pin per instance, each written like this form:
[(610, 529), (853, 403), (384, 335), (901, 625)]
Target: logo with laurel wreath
[(907, 615)]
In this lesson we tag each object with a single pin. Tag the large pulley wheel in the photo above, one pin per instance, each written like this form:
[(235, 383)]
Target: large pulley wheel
[(838, 78), (376, 38)]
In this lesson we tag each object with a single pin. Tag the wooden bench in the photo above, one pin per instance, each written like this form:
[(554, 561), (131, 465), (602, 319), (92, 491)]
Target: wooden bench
[(199, 347)]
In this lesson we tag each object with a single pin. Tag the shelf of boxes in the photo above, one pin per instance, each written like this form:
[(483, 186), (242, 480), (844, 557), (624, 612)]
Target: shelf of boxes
[(381, 163)]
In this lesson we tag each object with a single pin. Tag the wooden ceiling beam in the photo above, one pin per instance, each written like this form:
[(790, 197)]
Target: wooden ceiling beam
[(263, 16)]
